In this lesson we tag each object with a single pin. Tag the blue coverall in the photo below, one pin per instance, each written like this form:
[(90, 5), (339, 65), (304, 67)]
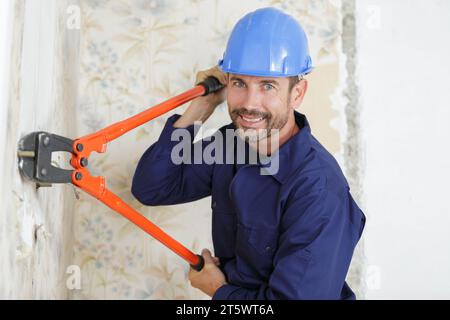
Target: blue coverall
[(287, 235)]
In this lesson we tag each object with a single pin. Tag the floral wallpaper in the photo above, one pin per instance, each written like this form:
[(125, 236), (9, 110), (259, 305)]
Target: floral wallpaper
[(135, 54)]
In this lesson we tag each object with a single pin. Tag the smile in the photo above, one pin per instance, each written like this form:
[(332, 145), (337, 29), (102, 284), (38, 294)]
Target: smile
[(250, 120)]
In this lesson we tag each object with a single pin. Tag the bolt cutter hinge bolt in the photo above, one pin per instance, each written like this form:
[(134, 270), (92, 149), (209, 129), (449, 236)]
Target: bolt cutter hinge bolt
[(79, 147), (84, 162)]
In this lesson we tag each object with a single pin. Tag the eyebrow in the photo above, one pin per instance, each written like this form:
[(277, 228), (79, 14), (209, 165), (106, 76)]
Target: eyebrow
[(265, 81)]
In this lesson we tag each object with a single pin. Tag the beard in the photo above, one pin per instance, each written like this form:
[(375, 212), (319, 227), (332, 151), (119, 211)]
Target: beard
[(272, 122)]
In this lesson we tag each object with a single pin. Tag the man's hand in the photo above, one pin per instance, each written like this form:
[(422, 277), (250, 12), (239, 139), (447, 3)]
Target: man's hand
[(216, 98), (202, 107), (210, 278)]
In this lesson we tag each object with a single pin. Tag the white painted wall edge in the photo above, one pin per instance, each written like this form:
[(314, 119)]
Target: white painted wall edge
[(6, 21)]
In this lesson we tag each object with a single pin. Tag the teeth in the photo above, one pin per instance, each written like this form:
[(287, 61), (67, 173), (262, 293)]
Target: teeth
[(251, 120)]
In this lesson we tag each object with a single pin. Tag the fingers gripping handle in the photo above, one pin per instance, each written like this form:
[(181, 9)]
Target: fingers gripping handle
[(201, 263), (211, 84)]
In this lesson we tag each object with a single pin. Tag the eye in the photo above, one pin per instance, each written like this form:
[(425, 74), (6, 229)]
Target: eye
[(238, 84), (268, 86)]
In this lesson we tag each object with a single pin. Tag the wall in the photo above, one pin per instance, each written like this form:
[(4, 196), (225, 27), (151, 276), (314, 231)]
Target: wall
[(135, 54), (38, 92), (404, 76)]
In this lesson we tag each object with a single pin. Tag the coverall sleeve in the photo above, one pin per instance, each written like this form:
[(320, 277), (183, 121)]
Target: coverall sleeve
[(159, 181), (318, 237)]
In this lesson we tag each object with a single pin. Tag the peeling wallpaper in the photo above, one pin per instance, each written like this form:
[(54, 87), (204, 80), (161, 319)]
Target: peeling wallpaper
[(135, 54), (36, 224)]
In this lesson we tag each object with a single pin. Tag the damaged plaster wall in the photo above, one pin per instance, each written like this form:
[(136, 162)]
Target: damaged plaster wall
[(353, 163), (39, 94)]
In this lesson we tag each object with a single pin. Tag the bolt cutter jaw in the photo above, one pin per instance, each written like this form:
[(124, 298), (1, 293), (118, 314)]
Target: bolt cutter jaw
[(35, 158)]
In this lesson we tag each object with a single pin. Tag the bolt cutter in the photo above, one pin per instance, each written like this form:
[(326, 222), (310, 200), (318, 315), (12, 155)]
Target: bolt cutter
[(35, 154)]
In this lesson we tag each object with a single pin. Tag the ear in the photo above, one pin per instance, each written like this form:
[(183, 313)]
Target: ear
[(298, 93)]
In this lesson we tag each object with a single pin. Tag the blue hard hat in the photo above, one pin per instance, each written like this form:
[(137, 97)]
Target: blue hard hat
[(267, 42)]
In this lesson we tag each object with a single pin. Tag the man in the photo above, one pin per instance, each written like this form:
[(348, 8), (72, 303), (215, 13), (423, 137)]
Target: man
[(288, 234)]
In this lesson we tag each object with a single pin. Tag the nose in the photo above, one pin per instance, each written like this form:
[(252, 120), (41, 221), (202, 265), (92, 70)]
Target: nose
[(252, 100)]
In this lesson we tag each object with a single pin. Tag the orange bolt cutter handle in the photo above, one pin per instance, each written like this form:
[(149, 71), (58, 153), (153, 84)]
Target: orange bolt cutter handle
[(35, 163), (96, 187)]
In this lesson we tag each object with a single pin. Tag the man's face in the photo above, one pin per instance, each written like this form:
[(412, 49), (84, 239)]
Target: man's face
[(258, 104)]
